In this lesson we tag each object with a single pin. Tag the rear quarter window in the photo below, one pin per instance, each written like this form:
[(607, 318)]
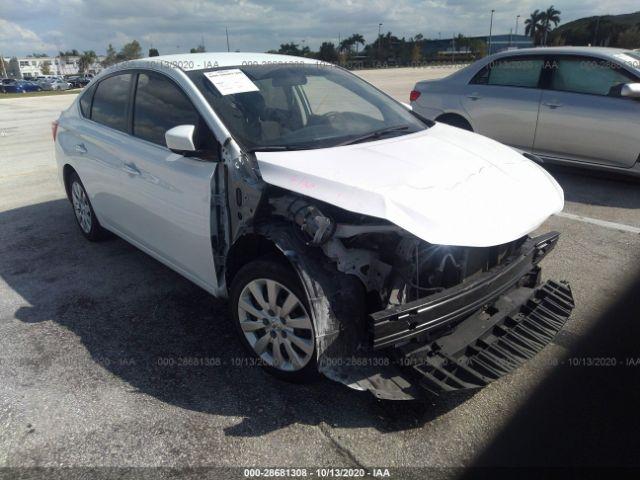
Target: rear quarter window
[(85, 101)]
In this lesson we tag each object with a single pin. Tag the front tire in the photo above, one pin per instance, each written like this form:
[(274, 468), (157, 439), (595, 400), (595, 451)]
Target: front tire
[(85, 216), (271, 313)]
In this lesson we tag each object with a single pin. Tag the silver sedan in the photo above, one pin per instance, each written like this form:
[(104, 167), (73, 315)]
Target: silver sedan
[(571, 105)]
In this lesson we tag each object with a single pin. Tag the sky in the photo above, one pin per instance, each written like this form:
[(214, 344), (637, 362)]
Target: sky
[(172, 26)]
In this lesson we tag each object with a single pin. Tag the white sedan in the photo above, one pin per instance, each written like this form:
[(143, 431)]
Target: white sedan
[(351, 236)]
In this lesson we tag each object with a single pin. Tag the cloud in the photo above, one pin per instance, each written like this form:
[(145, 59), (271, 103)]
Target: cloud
[(15, 40), (259, 25)]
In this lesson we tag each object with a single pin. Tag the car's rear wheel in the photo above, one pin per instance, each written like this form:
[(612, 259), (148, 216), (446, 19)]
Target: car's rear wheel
[(271, 313), (85, 216)]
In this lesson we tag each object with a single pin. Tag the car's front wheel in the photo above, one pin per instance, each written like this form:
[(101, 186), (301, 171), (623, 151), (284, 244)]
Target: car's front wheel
[(271, 313), (85, 216)]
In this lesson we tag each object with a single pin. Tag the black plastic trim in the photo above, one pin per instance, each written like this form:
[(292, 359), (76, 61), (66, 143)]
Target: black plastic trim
[(412, 320)]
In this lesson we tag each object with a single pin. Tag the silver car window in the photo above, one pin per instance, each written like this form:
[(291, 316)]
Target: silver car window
[(521, 72), (591, 76)]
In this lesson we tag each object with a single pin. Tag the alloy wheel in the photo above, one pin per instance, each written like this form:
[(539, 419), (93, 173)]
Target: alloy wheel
[(276, 324), (81, 207)]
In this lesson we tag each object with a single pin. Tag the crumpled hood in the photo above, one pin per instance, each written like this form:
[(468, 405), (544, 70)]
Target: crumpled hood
[(445, 185)]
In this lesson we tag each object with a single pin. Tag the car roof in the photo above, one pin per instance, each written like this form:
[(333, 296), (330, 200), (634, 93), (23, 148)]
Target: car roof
[(590, 51), (199, 61)]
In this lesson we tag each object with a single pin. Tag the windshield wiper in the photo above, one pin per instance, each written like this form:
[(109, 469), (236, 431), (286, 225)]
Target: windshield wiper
[(373, 135)]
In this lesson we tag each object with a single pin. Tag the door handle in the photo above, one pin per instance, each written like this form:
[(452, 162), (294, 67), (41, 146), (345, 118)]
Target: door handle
[(474, 96), (552, 104), (80, 148), (131, 169)]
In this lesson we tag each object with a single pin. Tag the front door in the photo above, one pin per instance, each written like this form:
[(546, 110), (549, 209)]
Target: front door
[(583, 118), (169, 194)]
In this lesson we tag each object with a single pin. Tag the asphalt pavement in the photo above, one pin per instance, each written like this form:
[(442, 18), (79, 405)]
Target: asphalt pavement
[(110, 359)]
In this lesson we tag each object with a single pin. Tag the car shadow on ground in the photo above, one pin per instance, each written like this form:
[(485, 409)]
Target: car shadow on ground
[(165, 336), (591, 187), (584, 414)]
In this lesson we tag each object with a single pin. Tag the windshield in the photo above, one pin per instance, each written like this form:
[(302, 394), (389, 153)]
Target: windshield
[(300, 106)]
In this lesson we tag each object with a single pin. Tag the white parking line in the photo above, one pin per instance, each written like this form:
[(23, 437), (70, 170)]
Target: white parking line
[(600, 223)]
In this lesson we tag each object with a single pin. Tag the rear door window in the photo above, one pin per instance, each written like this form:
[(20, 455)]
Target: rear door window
[(110, 101), (521, 72)]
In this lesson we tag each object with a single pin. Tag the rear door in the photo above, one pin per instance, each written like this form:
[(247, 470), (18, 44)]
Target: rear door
[(97, 142), (502, 99), (169, 195), (583, 118)]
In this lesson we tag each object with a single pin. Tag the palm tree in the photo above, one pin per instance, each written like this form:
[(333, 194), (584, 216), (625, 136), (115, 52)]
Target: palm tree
[(87, 59), (345, 45), (356, 39), (551, 15), (533, 24)]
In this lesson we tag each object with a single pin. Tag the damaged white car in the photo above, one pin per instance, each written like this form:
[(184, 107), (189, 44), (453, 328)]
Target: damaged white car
[(351, 236)]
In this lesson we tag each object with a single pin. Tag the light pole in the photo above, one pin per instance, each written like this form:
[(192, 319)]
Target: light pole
[(490, 30), (517, 18), (379, 39)]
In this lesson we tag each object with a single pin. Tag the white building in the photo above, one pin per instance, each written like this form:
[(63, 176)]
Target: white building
[(60, 65)]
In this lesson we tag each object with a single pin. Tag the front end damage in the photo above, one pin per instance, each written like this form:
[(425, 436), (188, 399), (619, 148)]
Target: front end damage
[(397, 316)]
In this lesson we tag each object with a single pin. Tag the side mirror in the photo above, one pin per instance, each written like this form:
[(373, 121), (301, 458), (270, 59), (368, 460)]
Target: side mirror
[(631, 90), (180, 139)]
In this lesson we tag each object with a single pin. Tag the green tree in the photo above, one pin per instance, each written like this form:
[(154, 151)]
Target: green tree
[(290, 49), (14, 68), (550, 16), (198, 49), (416, 53), (630, 38), (87, 59), (328, 52), (357, 39), (533, 25), (111, 57), (130, 51), (46, 68), (153, 52), (345, 45)]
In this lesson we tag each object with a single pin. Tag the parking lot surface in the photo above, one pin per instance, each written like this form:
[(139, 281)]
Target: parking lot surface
[(108, 358)]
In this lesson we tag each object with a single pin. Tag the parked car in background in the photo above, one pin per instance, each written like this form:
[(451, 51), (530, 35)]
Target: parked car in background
[(54, 84), (78, 81), (339, 224), (20, 86), (570, 105)]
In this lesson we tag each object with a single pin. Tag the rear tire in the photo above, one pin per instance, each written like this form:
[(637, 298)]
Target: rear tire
[(455, 121), (271, 313), (84, 214)]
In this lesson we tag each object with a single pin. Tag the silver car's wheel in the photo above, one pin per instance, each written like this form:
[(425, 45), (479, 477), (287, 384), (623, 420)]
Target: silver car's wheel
[(81, 207), (276, 324)]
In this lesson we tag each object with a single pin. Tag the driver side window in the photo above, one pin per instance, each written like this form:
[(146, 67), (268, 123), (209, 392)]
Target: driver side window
[(587, 75)]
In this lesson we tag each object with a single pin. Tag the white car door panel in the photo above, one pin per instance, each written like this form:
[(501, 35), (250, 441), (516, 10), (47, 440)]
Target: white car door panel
[(167, 202), (167, 196)]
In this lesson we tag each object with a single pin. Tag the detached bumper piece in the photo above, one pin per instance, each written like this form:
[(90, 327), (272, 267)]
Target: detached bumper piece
[(492, 342)]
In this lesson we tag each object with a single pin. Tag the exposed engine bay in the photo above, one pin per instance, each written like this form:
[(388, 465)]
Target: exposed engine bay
[(395, 266)]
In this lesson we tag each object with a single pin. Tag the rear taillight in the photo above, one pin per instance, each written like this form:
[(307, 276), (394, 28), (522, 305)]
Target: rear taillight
[(54, 129), (414, 95)]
